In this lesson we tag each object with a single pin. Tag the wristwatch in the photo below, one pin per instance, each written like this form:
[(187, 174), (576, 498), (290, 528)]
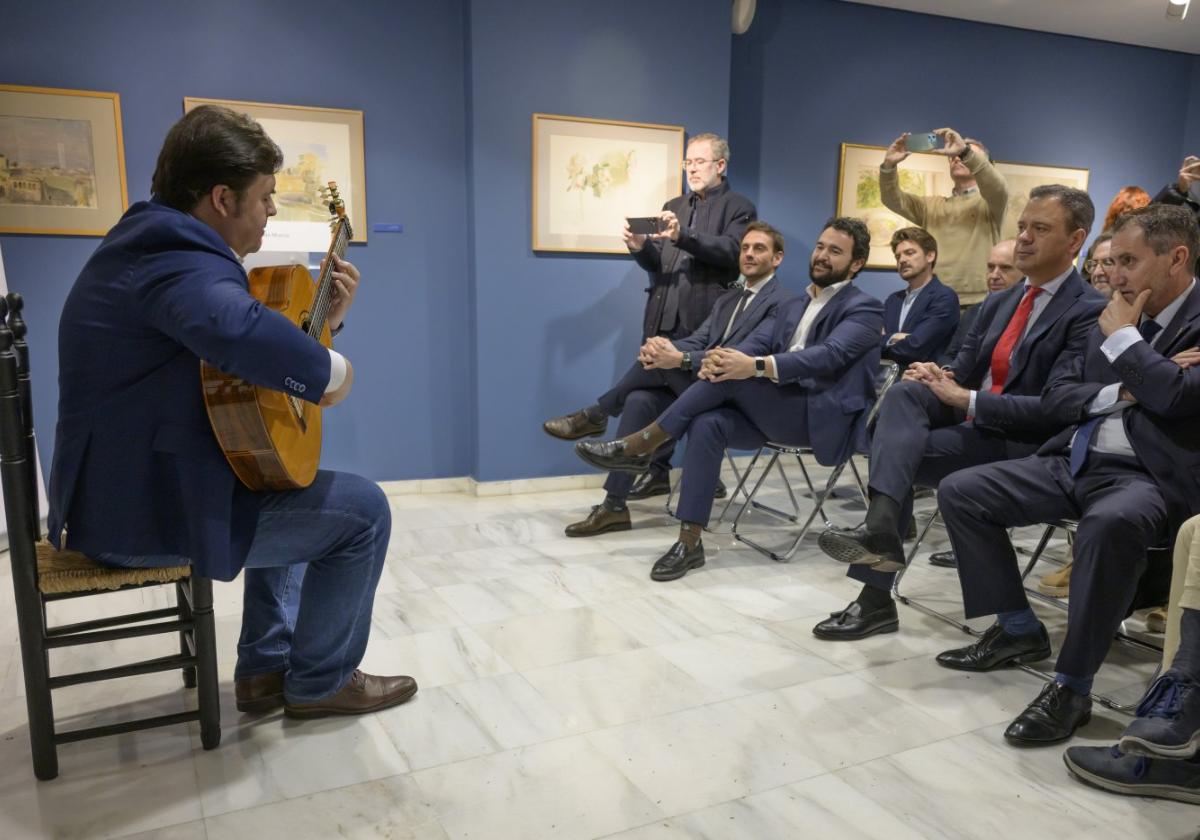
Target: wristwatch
[(760, 366), (686, 364)]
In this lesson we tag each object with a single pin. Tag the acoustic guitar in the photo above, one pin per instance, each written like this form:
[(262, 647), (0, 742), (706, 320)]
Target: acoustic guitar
[(271, 438)]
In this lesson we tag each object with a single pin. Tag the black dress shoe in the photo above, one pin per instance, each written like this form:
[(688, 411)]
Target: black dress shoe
[(852, 623), (858, 546), (650, 484), (600, 521), (719, 492), (677, 562), (574, 426), (610, 455), (1050, 719), (997, 648), (945, 559)]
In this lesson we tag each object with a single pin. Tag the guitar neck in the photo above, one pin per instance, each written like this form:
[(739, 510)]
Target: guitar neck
[(324, 295)]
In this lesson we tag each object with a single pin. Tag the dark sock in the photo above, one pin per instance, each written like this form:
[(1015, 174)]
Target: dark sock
[(1187, 658), (595, 413), (883, 514), (613, 504), (1019, 622), (1080, 685), (646, 440), (689, 534), (872, 598)]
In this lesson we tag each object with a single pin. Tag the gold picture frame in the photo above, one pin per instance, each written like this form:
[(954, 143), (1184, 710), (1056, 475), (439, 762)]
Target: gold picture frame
[(62, 161), (926, 174), (319, 145), (589, 174)]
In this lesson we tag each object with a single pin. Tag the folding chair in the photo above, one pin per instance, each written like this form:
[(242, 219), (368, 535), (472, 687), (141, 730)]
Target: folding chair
[(889, 372), (43, 575)]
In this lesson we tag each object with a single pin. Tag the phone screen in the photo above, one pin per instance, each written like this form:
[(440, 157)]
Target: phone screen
[(921, 142), (644, 225)]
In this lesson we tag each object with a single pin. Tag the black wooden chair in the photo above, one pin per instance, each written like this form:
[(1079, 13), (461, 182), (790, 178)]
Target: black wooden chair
[(42, 574)]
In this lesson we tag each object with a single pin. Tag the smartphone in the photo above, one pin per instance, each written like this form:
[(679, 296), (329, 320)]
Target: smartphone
[(921, 142), (645, 225)]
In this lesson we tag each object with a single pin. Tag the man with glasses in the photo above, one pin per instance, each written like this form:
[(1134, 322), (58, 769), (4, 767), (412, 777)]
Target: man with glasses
[(966, 223), (691, 263)]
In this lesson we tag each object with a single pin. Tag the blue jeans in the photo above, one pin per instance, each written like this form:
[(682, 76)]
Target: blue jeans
[(310, 583)]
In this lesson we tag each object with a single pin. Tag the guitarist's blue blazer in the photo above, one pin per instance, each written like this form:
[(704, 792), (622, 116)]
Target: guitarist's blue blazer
[(137, 469)]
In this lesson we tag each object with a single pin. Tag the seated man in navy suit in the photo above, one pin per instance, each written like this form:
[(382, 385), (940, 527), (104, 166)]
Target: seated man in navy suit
[(1128, 471), (918, 321), (665, 367), (805, 377), (1002, 274), (984, 407), (138, 478)]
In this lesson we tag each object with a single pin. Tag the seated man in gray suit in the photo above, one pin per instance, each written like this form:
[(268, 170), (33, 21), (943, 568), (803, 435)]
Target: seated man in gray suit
[(665, 367), (805, 377)]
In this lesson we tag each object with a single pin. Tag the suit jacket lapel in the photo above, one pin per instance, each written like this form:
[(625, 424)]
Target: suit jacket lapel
[(785, 327), (919, 305), (1179, 332), (1004, 312), (1060, 302), (762, 297)]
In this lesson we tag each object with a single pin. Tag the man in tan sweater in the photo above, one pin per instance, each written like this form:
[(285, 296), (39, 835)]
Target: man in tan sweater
[(966, 223)]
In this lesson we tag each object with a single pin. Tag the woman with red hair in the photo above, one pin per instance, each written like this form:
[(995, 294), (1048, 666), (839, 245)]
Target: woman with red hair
[(1127, 198)]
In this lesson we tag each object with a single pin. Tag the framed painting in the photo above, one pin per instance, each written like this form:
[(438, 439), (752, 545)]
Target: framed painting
[(62, 161), (926, 174), (319, 145), (588, 175)]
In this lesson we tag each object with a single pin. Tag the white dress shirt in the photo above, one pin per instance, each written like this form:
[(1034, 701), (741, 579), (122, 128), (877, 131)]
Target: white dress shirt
[(820, 297), (1110, 437)]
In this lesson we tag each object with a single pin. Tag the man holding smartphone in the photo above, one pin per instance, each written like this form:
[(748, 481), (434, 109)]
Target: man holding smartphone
[(691, 263), (966, 223)]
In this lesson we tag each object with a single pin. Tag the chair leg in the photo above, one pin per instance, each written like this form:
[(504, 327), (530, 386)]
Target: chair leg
[(206, 667), (917, 605), (186, 645), (818, 501)]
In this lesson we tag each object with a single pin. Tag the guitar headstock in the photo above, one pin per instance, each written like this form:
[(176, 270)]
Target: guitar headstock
[(337, 207)]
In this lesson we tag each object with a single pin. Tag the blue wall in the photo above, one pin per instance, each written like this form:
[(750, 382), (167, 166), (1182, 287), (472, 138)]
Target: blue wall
[(464, 340), (402, 64), (809, 76), (552, 331)]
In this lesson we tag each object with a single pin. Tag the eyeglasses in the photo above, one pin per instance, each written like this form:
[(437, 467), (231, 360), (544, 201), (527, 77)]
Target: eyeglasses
[(1090, 265), (688, 163)]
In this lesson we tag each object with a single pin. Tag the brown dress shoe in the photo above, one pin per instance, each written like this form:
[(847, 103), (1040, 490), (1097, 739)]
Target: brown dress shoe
[(574, 426), (600, 521), (364, 693), (1057, 584), (259, 694)]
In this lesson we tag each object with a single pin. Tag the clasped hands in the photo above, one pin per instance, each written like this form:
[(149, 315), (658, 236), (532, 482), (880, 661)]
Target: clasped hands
[(941, 382), (724, 363), (635, 241)]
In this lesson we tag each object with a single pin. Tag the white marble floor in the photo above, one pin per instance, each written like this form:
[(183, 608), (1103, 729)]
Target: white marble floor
[(565, 695)]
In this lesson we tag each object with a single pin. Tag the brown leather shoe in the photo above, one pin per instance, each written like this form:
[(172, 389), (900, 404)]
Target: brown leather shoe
[(259, 694), (364, 693), (574, 426), (600, 521), (1057, 584)]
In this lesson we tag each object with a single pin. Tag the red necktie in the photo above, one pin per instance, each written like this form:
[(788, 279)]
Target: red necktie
[(1008, 341)]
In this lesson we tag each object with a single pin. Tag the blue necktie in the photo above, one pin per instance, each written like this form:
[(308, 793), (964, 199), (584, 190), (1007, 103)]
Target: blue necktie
[(1083, 436)]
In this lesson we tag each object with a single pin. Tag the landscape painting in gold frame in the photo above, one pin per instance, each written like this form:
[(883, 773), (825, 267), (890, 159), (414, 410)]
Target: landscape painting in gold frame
[(319, 145), (62, 161), (590, 174), (926, 174)]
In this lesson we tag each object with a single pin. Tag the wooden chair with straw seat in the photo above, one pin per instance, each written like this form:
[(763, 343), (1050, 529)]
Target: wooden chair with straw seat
[(43, 575)]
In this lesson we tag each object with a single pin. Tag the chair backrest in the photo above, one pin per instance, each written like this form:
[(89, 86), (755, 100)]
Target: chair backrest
[(16, 323), (17, 470)]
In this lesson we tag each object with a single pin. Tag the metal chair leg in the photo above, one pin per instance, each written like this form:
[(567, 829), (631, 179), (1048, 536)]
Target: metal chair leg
[(909, 601), (818, 500)]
